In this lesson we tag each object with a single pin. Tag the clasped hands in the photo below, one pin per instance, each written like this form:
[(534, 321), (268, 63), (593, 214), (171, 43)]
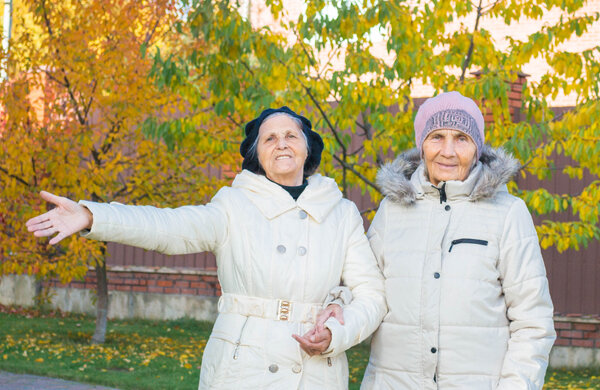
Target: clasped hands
[(317, 340)]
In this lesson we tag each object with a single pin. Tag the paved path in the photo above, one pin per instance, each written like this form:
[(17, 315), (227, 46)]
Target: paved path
[(10, 381)]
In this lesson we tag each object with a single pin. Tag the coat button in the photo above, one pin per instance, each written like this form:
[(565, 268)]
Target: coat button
[(280, 248), (273, 368), (302, 251), (433, 350), (296, 368), (303, 214), (447, 208), (436, 275)]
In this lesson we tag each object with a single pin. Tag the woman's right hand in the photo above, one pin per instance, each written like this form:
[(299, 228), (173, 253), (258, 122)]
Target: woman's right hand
[(332, 310), (66, 218)]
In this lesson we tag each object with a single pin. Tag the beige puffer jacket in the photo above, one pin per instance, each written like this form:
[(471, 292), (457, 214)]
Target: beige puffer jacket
[(469, 306), (277, 261)]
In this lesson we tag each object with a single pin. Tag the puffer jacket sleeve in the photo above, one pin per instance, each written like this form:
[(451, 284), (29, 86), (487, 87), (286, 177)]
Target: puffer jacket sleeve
[(529, 308), (375, 233), (364, 279), (188, 229)]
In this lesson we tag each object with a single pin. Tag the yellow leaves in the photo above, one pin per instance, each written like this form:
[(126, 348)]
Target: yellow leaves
[(347, 27), (87, 144)]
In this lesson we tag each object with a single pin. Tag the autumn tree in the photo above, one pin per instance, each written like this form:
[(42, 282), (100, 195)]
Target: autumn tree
[(72, 106), (353, 64)]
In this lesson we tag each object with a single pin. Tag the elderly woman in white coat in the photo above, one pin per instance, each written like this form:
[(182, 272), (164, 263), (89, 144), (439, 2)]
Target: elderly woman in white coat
[(469, 306), (284, 238)]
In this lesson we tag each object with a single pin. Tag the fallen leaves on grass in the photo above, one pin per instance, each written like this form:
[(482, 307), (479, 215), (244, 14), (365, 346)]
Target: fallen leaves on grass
[(126, 351)]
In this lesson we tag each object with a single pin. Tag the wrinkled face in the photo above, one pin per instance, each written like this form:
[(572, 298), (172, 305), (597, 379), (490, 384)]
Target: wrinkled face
[(282, 150), (448, 155)]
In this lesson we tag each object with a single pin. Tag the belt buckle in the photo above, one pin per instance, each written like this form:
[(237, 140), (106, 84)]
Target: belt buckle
[(284, 310)]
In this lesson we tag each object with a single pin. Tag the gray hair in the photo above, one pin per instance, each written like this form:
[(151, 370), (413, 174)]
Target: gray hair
[(252, 151)]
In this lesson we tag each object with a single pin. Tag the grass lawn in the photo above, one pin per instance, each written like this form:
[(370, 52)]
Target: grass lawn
[(147, 354)]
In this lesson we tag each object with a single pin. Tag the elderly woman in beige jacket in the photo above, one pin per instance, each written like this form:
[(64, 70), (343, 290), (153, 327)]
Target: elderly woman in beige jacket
[(469, 306), (283, 237)]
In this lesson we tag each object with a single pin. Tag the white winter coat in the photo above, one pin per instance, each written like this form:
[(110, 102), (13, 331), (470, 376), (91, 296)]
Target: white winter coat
[(270, 249), (469, 306)]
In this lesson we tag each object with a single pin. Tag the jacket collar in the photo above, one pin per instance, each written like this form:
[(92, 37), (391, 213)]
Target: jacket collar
[(404, 181), (318, 198)]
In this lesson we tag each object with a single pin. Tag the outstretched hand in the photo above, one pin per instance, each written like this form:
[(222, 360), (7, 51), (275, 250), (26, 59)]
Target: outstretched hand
[(66, 218)]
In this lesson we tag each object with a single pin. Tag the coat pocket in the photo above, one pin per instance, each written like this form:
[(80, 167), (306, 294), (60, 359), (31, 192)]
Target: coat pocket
[(474, 241), (236, 363)]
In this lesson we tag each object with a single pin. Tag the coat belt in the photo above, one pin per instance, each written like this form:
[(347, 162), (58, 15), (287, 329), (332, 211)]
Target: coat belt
[(272, 309)]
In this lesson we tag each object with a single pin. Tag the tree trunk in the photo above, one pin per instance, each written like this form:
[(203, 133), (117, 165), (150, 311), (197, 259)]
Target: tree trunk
[(101, 303)]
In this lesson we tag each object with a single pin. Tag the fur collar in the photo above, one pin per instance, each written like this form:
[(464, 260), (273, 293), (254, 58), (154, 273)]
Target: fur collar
[(498, 167)]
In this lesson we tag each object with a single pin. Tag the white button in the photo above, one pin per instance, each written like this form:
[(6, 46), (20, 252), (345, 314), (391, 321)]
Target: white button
[(303, 214), (302, 251), (296, 368), (273, 368), (280, 248)]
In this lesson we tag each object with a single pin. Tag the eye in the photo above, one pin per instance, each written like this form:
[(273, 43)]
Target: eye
[(291, 135)]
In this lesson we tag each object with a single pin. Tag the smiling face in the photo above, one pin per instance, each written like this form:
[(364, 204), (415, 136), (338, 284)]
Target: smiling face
[(448, 155), (282, 150)]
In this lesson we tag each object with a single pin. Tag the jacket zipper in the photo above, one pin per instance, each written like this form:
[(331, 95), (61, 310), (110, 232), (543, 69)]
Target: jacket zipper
[(442, 191), (329, 362), (467, 241), (237, 344)]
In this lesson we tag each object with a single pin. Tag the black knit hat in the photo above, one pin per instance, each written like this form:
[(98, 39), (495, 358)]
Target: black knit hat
[(315, 143)]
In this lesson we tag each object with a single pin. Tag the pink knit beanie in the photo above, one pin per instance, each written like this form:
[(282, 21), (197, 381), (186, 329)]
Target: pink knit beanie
[(450, 110)]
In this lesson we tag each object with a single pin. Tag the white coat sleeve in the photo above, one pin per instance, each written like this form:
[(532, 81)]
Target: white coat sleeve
[(364, 279), (187, 229), (529, 307), (375, 233)]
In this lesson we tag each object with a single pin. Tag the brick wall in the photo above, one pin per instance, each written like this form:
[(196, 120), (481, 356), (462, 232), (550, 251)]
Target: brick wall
[(577, 331), (150, 280), (515, 97)]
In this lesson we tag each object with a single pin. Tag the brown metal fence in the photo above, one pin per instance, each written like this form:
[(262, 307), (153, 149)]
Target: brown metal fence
[(573, 274)]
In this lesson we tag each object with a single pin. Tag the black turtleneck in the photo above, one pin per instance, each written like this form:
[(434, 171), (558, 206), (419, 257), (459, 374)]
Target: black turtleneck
[(294, 191)]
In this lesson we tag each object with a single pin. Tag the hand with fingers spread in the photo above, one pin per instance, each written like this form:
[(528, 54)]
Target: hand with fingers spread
[(68, 217), (315, 341)]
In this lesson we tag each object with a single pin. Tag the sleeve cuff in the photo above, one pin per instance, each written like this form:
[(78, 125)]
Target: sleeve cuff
[(339, 295), (337, 331)]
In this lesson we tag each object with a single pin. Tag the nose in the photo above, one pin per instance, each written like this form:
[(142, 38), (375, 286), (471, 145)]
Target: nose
[(281, 143), (448, 147)]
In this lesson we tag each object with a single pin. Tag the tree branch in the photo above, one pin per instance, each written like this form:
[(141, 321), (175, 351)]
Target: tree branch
[(467, 60), (89, 104), (360, 175), (46, 18), (490, 7), (150, 33), (17, 178)]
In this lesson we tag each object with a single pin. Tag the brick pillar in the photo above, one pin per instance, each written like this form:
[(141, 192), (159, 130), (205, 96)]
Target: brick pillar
[(515, 96)]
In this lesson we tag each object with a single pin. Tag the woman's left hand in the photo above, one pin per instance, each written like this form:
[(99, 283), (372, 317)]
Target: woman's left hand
[(315, 341)]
